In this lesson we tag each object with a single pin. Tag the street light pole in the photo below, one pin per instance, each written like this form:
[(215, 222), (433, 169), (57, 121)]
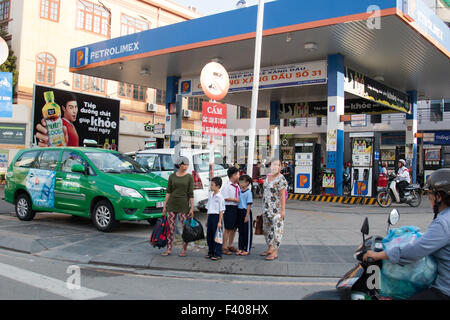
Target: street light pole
[(255, 90)]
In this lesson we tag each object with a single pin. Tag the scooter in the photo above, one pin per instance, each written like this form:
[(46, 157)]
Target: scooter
[(355, 284), (347, 187), (258, 187), (389, 194)]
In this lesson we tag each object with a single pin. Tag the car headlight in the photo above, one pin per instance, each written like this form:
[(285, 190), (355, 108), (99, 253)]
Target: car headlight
[(128, 192)]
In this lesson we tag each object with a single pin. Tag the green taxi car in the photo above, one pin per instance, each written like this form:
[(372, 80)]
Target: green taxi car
[(105, 186)]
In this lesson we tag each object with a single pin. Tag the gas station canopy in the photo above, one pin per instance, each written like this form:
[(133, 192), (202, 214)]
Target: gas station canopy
[(403, 43)]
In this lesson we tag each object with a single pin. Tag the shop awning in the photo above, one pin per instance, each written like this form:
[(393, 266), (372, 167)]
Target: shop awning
[(408, 46)]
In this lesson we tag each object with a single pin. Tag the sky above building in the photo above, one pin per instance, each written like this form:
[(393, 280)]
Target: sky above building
[(208, 7)]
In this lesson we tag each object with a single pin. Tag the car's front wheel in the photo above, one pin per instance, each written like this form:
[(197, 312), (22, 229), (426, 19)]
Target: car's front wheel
[(24, 209), (103, 216)]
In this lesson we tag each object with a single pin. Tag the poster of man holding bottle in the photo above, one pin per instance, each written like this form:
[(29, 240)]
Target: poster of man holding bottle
[(67, 118)]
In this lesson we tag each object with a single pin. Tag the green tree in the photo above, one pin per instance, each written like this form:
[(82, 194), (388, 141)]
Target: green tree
[(10, 64)]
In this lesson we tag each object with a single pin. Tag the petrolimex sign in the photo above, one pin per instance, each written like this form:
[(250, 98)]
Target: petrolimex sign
[(81, 57)]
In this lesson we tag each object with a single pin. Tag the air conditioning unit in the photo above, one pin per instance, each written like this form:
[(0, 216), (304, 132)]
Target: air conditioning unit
[(151, 107), (187, 113)]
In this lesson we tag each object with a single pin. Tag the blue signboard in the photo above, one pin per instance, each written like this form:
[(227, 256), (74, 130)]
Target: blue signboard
[(6, 93), (442, 137)]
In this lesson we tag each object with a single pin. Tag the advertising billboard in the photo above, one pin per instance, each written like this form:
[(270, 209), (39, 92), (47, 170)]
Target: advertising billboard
[(67, 118)]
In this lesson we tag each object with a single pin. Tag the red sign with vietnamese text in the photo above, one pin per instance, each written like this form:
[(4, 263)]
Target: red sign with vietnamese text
[(214, 120)]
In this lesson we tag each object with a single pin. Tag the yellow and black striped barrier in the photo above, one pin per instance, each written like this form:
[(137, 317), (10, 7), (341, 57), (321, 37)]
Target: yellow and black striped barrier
[(334, 199)]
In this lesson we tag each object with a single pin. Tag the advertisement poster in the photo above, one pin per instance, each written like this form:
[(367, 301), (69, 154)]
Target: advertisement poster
[(332, 140), (299, 74), (4, 154), (319, 108), (214, 119), (329, 178), (12, 134), (66, 118), (358, 84), (41, 185), (388, 155), (6, 94)]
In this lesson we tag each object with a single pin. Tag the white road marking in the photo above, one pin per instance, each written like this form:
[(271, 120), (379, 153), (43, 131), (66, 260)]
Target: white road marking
[(48, 284)]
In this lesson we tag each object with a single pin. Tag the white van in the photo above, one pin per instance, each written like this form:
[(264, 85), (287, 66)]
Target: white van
[(161, 162)]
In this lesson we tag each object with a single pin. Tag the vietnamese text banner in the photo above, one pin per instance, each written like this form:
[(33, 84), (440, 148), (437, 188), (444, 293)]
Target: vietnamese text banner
[(358, 84), (214, 120), (319, 108), (293, 75), (84, 117)]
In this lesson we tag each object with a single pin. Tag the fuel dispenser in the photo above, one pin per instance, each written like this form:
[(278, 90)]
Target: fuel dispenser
[(432, 160), (363, 145), (307, 168)]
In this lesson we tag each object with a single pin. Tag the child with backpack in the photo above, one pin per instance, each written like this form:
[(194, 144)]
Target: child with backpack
[(245, 216), (216, 208)]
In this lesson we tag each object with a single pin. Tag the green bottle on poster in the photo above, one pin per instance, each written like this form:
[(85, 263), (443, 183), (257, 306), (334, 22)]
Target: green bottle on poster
[(106, 145), (51, 112)]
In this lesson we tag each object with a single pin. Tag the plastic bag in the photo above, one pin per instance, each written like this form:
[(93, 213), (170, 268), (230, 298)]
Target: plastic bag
[(401, 282), (192, 230), (218, 238)]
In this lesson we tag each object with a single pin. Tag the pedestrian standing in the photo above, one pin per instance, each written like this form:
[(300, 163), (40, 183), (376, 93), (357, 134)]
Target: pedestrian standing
[(216, 208), (274, 201), (179, 201), (245, 216), (230, 193)]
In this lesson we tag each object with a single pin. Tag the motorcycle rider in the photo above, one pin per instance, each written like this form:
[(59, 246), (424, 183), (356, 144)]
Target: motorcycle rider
[(403, 179), (435, 241)]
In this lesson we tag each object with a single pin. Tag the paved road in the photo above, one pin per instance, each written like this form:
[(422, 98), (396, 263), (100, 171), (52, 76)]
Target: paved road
[(317, 246), (41, 278)]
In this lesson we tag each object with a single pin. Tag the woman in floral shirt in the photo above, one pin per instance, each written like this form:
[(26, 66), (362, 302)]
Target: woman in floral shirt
[(274, 201)]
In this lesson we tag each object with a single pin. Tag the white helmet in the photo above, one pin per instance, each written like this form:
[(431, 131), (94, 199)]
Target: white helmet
[(402, 161)]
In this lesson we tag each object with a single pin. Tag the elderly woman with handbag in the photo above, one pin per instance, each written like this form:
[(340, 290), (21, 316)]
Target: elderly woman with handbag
[(179, 201), (274, 201)]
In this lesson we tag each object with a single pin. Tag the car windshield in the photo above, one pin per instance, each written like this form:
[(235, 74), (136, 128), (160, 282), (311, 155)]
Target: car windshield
[(201, 162), (114, 163)]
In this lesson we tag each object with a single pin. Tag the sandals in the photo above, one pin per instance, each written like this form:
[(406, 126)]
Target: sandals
[(266, 253), (216, 258), (226, 251), (167, 253), (233, 249), (271, 258), (182, 254)]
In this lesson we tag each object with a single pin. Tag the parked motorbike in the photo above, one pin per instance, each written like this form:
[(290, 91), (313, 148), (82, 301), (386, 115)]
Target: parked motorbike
[(389, 194), (354, 284), (347, 187), (258, 187)]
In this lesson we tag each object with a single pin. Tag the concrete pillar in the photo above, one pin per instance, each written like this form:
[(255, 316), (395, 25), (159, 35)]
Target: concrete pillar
[(171, 97), (335, 128), (275, 129), (411, 139)]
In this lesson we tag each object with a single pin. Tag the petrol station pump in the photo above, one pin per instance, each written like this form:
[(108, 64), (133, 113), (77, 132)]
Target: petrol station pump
[(363, 163), (432, 160), (307, 166)]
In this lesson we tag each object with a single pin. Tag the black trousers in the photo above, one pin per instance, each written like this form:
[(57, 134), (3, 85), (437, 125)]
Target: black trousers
[(245, 230), (430, 294), (401, 188), (214, 248)]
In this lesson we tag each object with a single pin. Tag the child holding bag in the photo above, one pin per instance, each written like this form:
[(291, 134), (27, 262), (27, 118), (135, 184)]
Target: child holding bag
[(216, 207)]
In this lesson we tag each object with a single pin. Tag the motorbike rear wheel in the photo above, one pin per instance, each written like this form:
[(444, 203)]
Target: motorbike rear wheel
[(384, 199), (416, 198)]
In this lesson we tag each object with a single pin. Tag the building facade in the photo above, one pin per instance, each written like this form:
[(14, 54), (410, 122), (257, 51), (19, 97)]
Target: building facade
[(41, 34)]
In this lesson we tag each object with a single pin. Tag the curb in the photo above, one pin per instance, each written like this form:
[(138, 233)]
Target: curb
[(334, 199)]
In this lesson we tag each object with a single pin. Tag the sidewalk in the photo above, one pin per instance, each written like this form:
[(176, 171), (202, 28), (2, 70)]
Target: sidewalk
[(319, 241)]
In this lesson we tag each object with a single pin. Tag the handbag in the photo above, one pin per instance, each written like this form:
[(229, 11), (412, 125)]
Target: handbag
[(258, 225), (192, 231), (218, 238)]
